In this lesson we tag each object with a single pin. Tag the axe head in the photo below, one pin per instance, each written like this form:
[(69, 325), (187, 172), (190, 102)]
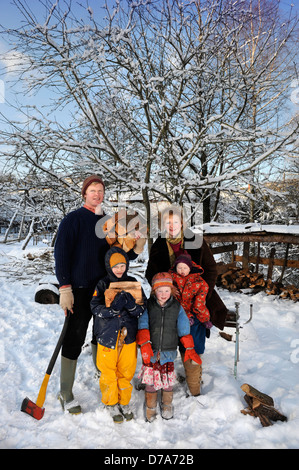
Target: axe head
[(32, 409)]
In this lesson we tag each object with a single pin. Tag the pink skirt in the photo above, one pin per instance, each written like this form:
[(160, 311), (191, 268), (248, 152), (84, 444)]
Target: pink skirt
[(157, 375)]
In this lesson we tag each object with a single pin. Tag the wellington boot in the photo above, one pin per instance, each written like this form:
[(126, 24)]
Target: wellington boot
[(193, 373), (67, 377), (126, 412), (151, 405), (166, 405), (115, 413)]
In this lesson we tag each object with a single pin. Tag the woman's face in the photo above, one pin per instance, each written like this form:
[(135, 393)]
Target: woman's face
[(173, 225)]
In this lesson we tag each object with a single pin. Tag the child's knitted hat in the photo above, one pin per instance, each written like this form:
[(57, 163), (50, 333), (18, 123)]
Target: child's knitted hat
[(186, 259), (117, 258), (161, 280)]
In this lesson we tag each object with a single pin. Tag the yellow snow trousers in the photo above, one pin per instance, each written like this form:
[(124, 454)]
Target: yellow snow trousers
[(117, 371)]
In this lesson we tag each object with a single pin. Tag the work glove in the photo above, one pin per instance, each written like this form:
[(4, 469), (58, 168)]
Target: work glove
[(66, 299), (119, 302), (190, 353), (143, 339)]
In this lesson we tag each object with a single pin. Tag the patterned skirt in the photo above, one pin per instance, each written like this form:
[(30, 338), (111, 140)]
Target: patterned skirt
[(157, 375)]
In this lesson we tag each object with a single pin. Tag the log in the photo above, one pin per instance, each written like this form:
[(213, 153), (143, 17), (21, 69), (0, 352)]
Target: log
[(254, 393), (265, 413), (134, 288), (226, 336)]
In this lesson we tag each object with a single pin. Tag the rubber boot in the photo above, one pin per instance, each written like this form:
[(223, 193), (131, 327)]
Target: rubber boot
[(151, 405), (94, 358), (193, 373), (166, 405), (67, 377)]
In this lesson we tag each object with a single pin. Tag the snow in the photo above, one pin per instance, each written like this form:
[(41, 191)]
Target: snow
[(215, 227), (269, 361)]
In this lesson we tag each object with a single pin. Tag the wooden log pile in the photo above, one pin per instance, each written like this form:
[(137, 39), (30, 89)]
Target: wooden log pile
[(240, 279), (284, 292), (260, 406)]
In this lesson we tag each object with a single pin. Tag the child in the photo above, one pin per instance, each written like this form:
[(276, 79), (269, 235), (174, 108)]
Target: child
[(159, 330), (191, 293), (117, 367)]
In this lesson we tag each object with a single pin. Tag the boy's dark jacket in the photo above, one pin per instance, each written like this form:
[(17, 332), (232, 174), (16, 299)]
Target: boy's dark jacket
[(107, 324)]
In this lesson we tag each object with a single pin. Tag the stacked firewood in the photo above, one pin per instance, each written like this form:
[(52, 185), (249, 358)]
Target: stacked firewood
[(261, 406), (284, 292), (238, 279)]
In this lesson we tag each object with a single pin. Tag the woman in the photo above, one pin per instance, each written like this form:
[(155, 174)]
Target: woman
[(176, 240)]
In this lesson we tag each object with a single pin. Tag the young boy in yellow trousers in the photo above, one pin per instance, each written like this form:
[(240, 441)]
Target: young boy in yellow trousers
[(117, 367)]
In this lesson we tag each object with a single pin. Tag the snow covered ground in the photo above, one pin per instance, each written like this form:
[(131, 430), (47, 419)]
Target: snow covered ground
[(269, 361)]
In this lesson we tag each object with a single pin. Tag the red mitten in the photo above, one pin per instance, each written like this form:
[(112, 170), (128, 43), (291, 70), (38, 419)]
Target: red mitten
[(190, 353), (143, 339)]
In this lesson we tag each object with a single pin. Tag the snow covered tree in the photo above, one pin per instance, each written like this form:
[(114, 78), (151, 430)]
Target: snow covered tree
[(167, 99)]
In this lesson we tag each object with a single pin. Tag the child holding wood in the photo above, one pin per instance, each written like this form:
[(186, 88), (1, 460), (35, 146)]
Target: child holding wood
[(191, 292), (159, 330), (116, 313)]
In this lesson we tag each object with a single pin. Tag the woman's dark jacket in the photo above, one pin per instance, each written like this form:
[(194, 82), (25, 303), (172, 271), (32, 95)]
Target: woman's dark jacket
[(107, 323), (159, 262)]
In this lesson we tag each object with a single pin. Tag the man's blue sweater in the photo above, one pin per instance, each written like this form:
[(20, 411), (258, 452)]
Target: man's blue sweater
[(79, 252)]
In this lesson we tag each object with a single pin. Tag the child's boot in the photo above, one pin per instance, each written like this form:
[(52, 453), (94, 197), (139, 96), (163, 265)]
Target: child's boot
[(166, 405), (126, 412), (193, 376), (151, 405), (115, 413)]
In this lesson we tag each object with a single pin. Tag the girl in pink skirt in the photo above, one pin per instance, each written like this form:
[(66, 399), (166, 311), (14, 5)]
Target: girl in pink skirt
[(163, 324)]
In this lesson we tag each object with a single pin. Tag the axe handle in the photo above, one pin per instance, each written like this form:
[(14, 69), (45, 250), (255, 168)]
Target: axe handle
[(43, 389)]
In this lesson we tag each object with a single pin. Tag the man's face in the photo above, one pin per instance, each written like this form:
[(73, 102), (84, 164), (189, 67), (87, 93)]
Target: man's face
[(94, 195)]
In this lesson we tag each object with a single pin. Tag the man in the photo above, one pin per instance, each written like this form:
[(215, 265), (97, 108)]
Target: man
[(79, 262)]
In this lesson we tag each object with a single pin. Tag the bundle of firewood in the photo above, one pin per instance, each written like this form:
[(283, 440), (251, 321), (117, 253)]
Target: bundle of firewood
[(238, 279), (261, 406), (284, 292), (134, 288)]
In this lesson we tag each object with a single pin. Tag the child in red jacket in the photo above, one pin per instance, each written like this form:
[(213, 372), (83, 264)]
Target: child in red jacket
[(191, 293)]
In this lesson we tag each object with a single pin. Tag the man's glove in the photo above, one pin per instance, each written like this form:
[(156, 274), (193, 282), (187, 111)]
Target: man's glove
[(139, 245), (190, 353), (143, 339), (66, 299), (119, 301)]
